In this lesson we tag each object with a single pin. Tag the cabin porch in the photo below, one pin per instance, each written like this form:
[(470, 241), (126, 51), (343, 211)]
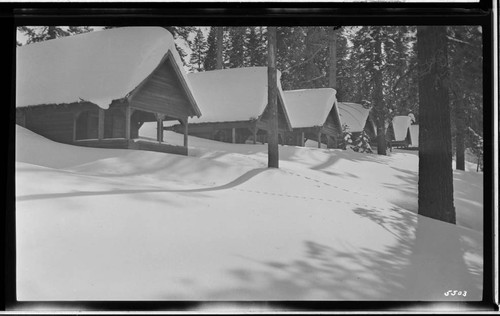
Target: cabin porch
[(119, 126), (299, 136)]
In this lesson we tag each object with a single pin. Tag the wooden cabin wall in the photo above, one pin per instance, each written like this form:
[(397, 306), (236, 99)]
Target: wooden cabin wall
[(282, 124), (163, 93), (54, 122), (114, 123), (331, 128), (20, 118)]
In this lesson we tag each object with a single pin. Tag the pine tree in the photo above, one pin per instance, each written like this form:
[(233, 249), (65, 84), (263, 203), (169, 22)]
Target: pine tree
[(210, 62), (465, 61), (379, 71), (181, 33), (199, 49), (435, 183), (236, 47), (362, 143), (346, 141), (42, 33), (220, 47), (255, 53)]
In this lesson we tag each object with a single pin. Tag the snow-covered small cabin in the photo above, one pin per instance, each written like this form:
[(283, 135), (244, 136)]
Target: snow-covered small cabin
[(357, 118), (97, 89), (234, 105), (401, 132), (414, 130), (313, 114)]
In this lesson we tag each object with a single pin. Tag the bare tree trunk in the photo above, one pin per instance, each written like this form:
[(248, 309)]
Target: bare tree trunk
[(272, 132), (220, 35), (460, 136), (378, 98), (435, 183), (332, 49)]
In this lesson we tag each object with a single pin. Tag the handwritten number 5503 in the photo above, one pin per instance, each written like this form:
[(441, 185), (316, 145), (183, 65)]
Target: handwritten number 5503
[(455, 293)]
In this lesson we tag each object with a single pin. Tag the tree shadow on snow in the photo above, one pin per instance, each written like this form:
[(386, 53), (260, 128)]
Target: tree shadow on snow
[(422, 265), (236, 182)]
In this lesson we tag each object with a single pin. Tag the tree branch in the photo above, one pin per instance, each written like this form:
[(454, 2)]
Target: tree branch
[(319, 77), (305, 61), (410, 70), (462, 42)]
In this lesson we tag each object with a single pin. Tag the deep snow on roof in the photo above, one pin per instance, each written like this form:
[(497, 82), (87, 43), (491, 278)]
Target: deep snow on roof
[(414, 130), (98, 66), (309, 107), (400, 124), (236, 94), (353, 115)]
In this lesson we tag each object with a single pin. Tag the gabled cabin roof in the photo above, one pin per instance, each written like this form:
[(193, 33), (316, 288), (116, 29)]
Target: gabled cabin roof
[(310, 107), (400, 125), (97, 67), (353, 115), (236, 94)]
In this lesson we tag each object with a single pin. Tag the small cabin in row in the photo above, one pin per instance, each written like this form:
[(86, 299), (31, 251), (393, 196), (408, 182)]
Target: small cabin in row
[(357, 118), (402, 133), (234, 106), (313, 115), (97, 89)]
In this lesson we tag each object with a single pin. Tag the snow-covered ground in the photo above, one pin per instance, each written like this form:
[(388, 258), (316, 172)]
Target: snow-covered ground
[(107, 224)]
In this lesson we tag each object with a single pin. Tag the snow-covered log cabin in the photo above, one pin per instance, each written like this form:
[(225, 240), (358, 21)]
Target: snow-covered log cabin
[(401, 132), (313, 114), (234, 106), (357, 118), (97, 89)]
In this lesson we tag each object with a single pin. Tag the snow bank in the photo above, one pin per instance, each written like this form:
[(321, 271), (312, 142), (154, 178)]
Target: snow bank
[(353, 115), (309, 107), (98, 66), (238, 94), (328, 225)]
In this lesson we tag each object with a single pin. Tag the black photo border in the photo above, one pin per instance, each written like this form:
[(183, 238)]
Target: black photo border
[(233, 14)]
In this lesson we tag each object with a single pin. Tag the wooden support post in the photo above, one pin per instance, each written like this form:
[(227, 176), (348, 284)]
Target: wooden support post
[(254, 132), (185, 123), (158, 130), (319, 139), (159, 126), (233, 135), (100, 127), (302, 142), (128, 115)]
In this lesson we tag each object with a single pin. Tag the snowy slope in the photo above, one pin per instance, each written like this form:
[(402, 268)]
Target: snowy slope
[(218, 225), (98, 66), (309, 107)]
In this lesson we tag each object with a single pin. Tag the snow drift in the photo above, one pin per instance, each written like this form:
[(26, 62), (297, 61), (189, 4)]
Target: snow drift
[(218, 225)]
